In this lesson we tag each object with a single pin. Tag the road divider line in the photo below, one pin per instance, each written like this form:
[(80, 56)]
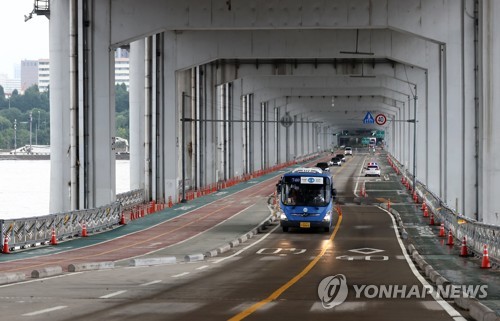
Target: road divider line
[(107, 296), (150, 283), (180, 274), (60, 307), (445, 305), (275, 295), (247, 247)]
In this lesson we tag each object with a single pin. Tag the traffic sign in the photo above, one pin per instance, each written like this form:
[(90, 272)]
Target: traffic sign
[(380, 119), (368, 118)]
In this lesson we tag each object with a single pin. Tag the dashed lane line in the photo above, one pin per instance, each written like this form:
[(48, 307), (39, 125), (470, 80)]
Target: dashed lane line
[(107, 296), (31, 314)]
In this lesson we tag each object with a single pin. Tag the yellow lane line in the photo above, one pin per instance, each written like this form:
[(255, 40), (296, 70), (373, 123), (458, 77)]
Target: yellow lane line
[(286, 286)]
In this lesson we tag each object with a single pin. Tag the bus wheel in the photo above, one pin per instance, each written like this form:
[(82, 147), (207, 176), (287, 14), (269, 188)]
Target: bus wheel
[(285, 228)]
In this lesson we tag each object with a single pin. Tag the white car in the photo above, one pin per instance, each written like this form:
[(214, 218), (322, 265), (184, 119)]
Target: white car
[(372, 170), (348, 151)]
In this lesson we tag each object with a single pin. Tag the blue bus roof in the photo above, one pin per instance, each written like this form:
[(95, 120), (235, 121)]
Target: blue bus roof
[(308, 171)]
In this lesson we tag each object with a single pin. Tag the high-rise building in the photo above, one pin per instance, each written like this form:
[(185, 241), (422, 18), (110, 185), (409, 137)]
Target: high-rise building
[(29, 74), (121, 70), (43, 74)]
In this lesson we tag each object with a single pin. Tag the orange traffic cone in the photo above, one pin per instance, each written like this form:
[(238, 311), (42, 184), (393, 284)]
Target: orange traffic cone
[(389, 204), (432, 220), (424, 206), (122, 220), (426, 213), (6, 249), (84, 230), (53, 239), (441, 230), (170, 204), (450, 238), (463, 249), (485, 263)]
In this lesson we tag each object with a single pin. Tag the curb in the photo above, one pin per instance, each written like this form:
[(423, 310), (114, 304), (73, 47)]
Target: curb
[(90, 266), (6, 278), (46, 272), (153, 261)]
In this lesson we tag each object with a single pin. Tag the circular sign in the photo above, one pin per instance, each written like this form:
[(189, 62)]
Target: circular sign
[(380, 119), (286, 120)]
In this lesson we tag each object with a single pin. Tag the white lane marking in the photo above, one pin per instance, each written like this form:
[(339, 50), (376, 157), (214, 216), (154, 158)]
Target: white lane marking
[(107, 296), (150, 283), (44, 311), (202, 267), (248, 246), (445, 305), (346, 306), (360, 174), (222, 222), (180, 274)]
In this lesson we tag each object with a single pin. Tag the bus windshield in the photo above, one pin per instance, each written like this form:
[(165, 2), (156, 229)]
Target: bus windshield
[(306, 191)]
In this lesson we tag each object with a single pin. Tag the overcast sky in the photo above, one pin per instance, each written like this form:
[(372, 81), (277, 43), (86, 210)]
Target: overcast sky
[(21, 40)]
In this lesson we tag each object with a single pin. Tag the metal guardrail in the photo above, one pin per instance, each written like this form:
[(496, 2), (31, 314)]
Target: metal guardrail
[(34, 231), (130, 199), (476, 233)]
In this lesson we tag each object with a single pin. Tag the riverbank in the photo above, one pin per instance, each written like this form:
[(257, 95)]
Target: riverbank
[(6, 156)]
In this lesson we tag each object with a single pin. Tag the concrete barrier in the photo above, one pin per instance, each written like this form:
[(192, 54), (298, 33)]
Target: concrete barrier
[(6, 278), (224, 248), (480, 312), (212, 253), (194, 257), (46, 272), (78, 267), (234, 243), (243, 238), (153, 261)]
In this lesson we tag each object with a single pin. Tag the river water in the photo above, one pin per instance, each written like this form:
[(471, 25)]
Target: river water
[(25, 186)]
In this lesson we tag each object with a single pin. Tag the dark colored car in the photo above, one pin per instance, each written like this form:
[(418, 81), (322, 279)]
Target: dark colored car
[(341, 156), (324, 166)]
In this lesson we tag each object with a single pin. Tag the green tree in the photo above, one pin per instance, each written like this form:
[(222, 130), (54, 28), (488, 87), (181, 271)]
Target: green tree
[(121, 98)]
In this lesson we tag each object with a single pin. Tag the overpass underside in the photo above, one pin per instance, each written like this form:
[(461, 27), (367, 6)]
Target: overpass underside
[(223, 88)]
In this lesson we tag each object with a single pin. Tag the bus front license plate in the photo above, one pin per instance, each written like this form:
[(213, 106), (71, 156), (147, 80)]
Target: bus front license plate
[(305, 224)]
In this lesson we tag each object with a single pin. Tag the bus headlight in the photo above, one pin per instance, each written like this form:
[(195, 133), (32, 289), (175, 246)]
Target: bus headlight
[(328, 217), (283, 216)]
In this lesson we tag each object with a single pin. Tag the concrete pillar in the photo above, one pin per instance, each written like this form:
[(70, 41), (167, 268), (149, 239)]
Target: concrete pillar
[(59, 104), (237, 132), (489, 205), (171, 116), (136, 114), (210, 130), (102, 128)]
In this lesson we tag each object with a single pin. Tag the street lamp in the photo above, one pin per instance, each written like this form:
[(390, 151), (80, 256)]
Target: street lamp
[(31, 122), (15, 136)]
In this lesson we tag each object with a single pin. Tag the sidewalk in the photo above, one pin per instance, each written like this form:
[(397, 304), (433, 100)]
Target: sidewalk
[(443, 258)]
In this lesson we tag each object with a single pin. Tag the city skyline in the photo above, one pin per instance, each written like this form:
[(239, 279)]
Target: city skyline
[(21, 40)]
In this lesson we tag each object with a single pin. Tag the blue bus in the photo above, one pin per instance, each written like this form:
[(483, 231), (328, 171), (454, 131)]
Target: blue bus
[(306, 198)]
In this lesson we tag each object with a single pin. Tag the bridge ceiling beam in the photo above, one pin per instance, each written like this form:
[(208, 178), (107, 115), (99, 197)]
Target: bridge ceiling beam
[(135, 19), (199, 47)]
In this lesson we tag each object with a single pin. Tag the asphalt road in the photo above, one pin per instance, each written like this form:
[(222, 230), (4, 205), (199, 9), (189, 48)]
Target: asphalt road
[(274, 276)]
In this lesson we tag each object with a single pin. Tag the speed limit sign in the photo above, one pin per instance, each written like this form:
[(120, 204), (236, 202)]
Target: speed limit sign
[(380, 119)]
